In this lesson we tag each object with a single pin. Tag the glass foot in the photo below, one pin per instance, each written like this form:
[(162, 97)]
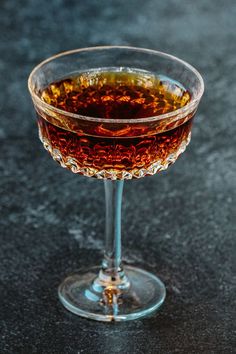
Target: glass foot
[(84, 295)]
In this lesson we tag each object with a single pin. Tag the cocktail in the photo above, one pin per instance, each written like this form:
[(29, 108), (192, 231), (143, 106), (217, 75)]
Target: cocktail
[(114, 113)]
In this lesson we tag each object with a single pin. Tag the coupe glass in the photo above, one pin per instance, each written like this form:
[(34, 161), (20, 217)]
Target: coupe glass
[(114, 292)]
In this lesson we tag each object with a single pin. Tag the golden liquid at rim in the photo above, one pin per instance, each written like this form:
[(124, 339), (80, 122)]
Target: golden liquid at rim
[(121, 95)]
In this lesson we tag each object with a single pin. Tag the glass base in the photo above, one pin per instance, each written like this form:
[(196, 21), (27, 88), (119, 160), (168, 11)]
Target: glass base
[(85, 295)]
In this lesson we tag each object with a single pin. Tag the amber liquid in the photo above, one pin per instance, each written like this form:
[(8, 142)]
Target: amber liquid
[(110, 150)]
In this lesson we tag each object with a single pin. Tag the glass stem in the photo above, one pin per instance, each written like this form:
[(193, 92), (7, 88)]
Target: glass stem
[(112, 271)]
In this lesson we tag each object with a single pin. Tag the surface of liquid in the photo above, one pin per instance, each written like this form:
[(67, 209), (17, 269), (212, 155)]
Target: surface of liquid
[(111, 150)]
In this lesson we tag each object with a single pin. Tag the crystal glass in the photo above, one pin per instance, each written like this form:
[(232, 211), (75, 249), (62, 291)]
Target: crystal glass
[(113, 291)]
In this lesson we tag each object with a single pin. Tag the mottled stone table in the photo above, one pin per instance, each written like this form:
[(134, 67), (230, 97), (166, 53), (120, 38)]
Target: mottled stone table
[(180, 224)]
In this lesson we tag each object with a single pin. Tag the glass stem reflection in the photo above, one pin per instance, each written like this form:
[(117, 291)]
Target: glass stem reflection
[(112, 270)]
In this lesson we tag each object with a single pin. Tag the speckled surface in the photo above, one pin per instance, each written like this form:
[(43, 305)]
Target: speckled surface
[(180, 224)]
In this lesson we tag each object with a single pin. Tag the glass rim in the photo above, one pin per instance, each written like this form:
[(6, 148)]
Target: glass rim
[(190, 106)]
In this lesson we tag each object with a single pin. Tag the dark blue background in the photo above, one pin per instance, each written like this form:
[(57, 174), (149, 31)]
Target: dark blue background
[(179, 224)]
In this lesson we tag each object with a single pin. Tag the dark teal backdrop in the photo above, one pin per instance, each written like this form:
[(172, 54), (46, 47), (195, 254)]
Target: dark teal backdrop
[(180, 224)]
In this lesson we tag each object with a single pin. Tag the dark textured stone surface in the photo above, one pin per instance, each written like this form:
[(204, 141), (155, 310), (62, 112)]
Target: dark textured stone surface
[(180, 224)]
